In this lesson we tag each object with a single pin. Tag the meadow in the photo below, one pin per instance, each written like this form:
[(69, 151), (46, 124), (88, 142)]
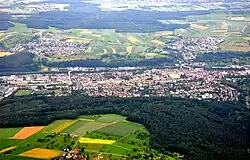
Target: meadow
[(108, 134), (23, 92)]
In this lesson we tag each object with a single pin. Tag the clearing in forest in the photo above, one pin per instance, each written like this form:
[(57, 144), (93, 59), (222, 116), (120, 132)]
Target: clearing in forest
[(27, 132), (41, 153), (96, 141), (23, 92), (108, 118)]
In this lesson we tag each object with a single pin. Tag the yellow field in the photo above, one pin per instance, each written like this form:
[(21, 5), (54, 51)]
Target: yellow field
[(220, 31), (7, 149), (2, 34), (2, 54), (238, 18), (80, 40), (113, 50), (85, 31), (84, 119), (224, 26), (181, 30), (41, 153), (27, 132), (64, 125), (166, 33), (89, 49), (129, 49), (45, 69), (105, 51), (132, 39), (96, 141), (158, 42), (97, 35), (197, 26)]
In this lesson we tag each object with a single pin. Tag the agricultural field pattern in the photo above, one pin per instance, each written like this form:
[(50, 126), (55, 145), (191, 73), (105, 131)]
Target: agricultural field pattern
[(110, 135), (179, 35)]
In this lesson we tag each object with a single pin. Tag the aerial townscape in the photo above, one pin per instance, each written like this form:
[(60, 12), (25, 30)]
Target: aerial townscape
[(124, 80)]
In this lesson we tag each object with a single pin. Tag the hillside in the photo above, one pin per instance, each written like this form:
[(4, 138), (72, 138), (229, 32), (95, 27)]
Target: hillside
[(109, 135), (198, 129)]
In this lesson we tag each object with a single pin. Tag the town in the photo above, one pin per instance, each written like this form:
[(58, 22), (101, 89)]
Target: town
[(52, 47), (189, 48), (197, 83)]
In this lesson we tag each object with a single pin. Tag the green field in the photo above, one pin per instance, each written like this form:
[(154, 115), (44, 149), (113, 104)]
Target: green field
[(8, 132), (120, 128), (110, 118), (54, 125), (71, 129), (23, 93), (89, 127), (131, 138)]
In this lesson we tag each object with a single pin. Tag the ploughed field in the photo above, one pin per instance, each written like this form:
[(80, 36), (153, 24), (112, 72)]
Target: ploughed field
[(110, 134)]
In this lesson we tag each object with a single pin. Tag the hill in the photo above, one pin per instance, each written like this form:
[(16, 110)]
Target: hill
[(198, 129)]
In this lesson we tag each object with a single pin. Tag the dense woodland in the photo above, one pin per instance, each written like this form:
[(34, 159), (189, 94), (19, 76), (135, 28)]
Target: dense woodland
[(199, 129), (19, 62), (218, 56), (4, 19), (85, 15)]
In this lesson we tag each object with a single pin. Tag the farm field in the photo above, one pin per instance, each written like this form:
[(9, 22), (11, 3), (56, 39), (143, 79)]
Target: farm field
[(6, 133), (130, 139), (27, 132), (23, 92), (120, 128), (41, 153), (2, 54)]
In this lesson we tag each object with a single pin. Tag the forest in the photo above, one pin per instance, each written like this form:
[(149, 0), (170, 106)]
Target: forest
[(218, 56), (89, 16), (204, 130), (4, 19), (19, 62)]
